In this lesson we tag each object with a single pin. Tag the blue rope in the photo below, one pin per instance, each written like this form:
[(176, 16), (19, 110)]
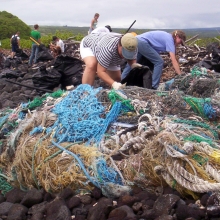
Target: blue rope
[(94, 182), (3, 120), (21, 115), (107, 174), (209, 111), (38, 129), (206, 136), (178, 149), (111, 117), (79, 115)]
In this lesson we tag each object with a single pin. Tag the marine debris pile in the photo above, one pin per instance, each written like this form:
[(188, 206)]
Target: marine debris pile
[(70, 139), (99, 138)]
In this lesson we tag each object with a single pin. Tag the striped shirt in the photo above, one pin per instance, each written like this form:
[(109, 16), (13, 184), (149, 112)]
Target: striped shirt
[(105, 48)]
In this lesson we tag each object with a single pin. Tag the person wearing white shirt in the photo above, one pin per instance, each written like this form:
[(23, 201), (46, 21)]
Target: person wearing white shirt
[(58, 42), (105, 29)]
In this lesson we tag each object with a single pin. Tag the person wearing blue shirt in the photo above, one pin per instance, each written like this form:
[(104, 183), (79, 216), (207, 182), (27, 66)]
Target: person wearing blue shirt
[(151, 44)]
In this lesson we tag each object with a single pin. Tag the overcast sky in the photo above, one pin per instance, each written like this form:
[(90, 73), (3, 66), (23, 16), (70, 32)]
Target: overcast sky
[(149, 14)]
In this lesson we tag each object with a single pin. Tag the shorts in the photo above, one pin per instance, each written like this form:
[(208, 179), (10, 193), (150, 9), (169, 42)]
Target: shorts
[(87, 52), (14, 48)]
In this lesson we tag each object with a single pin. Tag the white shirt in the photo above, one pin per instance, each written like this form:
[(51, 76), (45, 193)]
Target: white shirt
[(61, 45), (105, 48), (18, 38), (100, 29)]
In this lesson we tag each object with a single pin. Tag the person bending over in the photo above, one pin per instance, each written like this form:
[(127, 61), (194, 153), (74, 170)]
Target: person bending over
[(103, 53), (150, 44)]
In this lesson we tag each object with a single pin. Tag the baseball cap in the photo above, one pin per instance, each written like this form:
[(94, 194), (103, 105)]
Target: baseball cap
[(109, 27), (129, 46)]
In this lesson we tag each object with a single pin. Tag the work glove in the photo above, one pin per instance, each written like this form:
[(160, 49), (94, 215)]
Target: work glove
[(69, 88), (117, 86), (135, 65)]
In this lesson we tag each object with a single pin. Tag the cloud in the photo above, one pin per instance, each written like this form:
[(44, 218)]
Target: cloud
[(157, 14)]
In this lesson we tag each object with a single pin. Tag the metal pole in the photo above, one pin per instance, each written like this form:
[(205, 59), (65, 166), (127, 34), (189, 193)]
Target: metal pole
[(130, 26), (32, 87)]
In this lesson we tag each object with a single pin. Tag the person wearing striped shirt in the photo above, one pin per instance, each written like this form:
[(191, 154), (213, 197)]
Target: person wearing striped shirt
[(103, 54)]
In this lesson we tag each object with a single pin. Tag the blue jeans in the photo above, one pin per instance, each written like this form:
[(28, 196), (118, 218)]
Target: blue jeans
[(34, 52), (145, 49)]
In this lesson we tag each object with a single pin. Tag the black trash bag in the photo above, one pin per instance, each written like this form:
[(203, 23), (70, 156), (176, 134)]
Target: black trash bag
[(46, 78), (145, 62), (9, 74), (216, 67), (44, 55), (216, 55), (42, 47), (214, 49), (20, 53), (71, 70), (7, 63), (15, 62), (211, 46), (139, 76), (216, 59), (204, 63)]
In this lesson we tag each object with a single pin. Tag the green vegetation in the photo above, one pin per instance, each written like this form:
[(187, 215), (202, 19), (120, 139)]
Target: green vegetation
[(10, 24)]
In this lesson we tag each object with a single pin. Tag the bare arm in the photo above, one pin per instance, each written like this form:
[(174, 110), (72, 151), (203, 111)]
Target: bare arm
[(102, 74), (175, 63)]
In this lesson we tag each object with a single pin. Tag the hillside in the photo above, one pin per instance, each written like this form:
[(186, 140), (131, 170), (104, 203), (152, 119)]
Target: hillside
[(10, 24)]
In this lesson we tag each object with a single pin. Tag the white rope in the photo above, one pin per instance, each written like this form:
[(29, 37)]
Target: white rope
[(200, 187), (213, 172)]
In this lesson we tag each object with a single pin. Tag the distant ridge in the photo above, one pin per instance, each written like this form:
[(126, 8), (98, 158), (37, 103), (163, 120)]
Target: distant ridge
[(203, 32)]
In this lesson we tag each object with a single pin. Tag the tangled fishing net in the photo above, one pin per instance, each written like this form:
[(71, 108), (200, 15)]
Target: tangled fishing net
[(116, 139)]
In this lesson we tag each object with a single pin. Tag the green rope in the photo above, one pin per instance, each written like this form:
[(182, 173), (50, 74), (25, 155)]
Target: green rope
[(197, 104), (199, 124), (197, 72), (174, 184), (16, 179), (38, 101), (57, 93), (126, 103), (201, 160), (198, 139), (4, 185)]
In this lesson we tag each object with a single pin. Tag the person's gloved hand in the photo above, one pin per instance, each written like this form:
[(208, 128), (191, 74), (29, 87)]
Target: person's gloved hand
[(117, 85), (135, 65)]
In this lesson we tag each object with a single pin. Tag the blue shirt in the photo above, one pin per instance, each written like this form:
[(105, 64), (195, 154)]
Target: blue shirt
[(161, 41)]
